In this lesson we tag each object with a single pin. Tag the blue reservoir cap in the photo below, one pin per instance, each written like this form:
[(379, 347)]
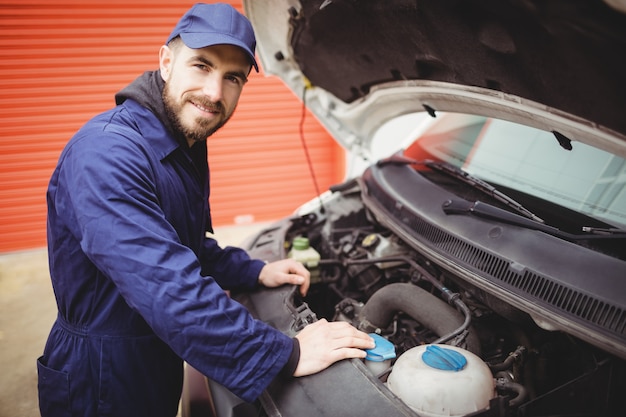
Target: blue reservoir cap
[(383, 350), (444, 359)]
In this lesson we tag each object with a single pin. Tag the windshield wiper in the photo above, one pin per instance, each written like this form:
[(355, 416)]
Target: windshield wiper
[(483, 186), (480, 209), (487, 211), (467, 178), (604, 231)]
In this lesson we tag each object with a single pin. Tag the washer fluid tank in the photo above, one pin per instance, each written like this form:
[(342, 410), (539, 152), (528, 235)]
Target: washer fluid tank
[(442, 380)]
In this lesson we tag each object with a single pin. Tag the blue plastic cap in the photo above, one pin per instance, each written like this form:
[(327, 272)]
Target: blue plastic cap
[(444, 359), (383, 350)]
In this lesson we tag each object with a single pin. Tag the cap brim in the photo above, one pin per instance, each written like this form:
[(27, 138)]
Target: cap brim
[(204, 39)]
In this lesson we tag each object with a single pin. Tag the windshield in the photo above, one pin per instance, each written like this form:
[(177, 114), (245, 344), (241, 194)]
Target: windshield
[(535, 162)]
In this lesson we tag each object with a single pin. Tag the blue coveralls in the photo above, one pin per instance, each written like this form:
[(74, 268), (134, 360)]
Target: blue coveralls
[(136, 279)]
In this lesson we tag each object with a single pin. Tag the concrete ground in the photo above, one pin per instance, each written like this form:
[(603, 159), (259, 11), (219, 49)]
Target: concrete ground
[(27, 310)]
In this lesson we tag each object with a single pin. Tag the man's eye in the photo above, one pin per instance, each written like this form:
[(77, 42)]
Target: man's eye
[(233, 79)]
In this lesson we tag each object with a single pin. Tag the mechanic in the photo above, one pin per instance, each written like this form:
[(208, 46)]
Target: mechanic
[(139, 285)]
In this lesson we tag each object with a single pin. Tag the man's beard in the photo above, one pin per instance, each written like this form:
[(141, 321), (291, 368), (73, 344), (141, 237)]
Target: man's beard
[(203, 128)]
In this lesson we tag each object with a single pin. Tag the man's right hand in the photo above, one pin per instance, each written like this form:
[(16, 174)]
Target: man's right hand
[(323, 343)]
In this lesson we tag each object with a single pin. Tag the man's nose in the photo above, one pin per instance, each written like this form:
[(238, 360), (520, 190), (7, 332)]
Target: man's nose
[(213, 87)]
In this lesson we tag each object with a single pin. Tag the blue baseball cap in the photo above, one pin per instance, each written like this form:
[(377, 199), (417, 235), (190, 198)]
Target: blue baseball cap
[(216, 24)]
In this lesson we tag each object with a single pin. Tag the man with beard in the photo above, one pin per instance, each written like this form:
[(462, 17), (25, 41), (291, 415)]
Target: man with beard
[(139, 285)]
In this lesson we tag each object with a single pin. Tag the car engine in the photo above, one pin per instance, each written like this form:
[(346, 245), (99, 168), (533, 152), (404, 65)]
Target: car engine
[(370, 277)]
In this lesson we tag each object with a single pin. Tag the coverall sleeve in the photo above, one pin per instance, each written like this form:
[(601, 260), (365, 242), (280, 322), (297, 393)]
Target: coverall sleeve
[(231, 267), (113, 193)]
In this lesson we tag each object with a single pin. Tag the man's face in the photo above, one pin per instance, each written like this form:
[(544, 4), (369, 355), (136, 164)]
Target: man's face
[(202, 86)]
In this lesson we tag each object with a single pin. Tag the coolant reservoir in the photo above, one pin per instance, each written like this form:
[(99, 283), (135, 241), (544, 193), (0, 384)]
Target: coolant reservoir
[(442, 380), (378, 246), (302, 251)]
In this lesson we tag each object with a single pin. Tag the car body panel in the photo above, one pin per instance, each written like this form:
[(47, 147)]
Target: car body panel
[(556, 65)]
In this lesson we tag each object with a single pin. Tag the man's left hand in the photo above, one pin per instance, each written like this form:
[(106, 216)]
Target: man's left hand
[(285, 271)]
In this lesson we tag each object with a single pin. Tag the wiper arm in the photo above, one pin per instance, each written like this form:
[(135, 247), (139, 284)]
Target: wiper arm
[(483, 186), (488, 211), (529, 221), (467, 178), (604, 231)]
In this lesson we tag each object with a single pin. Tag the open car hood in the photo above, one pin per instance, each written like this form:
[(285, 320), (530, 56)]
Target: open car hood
[(554, 65)]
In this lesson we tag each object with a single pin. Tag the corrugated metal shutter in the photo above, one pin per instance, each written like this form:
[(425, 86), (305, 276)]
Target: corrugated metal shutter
[(60, 64)]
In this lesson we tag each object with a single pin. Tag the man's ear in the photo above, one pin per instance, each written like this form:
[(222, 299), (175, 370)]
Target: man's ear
[(165, 61)]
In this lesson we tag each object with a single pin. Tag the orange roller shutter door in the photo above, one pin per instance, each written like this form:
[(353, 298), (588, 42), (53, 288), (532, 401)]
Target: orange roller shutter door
[(62, 62)]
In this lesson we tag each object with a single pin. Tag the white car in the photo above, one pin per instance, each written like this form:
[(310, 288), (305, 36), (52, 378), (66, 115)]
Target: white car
[(481, 234)]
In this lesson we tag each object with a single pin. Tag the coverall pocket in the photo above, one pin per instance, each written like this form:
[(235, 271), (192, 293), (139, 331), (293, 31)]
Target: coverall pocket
[(54, 391)]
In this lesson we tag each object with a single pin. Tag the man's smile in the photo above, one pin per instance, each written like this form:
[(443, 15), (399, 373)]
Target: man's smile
[(210, 108)]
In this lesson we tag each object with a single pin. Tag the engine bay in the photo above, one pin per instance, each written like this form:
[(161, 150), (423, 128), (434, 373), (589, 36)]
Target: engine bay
[(368, 276)]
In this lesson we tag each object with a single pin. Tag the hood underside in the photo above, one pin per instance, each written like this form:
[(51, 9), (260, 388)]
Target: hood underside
[(557, 65)]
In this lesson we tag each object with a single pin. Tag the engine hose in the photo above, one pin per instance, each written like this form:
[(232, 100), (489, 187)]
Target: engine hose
[(451, 297), (425, 308), (509, 361), (520, 392)]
